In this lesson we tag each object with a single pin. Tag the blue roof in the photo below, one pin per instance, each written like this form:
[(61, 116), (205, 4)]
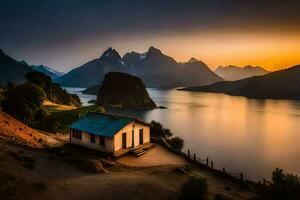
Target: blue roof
[(101, 124)]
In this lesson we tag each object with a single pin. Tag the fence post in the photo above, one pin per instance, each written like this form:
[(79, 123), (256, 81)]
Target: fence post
[(194, 157), (189, 154), (207, 161), (264, 181), (242, 176), (224, 172), (212, 164)]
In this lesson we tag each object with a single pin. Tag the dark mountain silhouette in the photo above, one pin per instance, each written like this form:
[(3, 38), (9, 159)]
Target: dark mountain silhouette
[(92, 73), (12, 70), (153, 67), (282, 84), (122, 90), (233, 73), (93, 90)]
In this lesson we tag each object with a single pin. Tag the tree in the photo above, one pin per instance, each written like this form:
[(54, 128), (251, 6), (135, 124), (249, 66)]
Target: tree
[(283, 186), (176, 143), (157, 129), (24, 101)]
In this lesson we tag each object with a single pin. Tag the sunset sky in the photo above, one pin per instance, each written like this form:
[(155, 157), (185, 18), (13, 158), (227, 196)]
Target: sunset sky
[(66, 34)]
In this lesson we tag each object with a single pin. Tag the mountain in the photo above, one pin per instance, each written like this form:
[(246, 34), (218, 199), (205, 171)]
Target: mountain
[(233, 73), (153, 67), (122, 90), (283, 84), (92, 73), (47, 70), (12, 70)]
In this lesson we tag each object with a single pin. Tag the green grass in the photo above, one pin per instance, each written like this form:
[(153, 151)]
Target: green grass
[(67, 117)]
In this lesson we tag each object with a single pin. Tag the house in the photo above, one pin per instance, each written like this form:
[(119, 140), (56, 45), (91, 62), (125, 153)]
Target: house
[(112, 134)]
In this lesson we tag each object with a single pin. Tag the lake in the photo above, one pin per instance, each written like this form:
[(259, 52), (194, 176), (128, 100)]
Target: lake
[(243, 135)]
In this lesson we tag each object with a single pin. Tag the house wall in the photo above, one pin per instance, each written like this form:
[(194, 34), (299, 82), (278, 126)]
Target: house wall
[(86, 142), (128, 130)]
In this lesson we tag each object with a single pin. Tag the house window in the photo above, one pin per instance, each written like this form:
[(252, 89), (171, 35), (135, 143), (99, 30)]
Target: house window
[(102, 140), (76, 134), (93, 139)]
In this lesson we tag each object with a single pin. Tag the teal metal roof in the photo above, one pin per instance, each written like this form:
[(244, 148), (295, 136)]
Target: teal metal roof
[(101, 124)]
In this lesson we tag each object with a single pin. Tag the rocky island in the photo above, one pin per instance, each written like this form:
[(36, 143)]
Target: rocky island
[(121, 90)]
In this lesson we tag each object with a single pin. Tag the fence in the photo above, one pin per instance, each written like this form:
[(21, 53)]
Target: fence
[(208, 165)]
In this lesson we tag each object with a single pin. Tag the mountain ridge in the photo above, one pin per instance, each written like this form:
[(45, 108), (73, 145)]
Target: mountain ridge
[(233, 73), (154, 67), (11, 70), (281, 84)]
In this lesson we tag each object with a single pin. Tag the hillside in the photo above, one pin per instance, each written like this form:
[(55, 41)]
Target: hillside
[(12, 70), (153, 67), (124, 91), (53, 91), (283, 84), (233, 73), (13, 130)]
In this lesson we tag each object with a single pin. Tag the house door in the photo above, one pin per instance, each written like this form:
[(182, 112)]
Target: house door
[(141, 137), (124, 141), (132, 138)]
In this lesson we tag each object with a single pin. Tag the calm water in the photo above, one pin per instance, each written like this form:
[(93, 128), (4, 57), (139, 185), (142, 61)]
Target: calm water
[(248, 135)]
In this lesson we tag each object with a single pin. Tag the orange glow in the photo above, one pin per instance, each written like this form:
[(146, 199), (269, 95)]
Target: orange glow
[(271, 51)]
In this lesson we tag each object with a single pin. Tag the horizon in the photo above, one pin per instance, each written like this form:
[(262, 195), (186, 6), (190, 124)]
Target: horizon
[(64, 35)]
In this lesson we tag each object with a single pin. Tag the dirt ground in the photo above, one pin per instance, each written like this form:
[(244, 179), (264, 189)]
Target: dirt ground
[(52, 169), (54, 178), (157, 156)]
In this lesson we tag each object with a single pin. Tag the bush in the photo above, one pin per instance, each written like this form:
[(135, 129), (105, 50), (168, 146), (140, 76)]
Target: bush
[(91, 166), (157, 129), (195, 188), (176, 143), (283, 186)]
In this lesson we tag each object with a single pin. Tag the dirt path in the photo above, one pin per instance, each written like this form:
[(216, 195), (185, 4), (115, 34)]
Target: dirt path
[(157, 156)]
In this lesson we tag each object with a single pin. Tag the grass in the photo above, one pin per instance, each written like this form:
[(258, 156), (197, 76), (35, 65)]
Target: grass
[(67, 117)]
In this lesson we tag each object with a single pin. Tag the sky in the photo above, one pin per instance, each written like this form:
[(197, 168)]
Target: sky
[(64, 34)]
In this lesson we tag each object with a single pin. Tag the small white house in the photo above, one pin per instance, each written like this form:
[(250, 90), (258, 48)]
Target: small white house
[(111, 133)]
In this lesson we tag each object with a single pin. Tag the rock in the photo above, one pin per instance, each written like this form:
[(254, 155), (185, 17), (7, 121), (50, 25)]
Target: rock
[(121, 90), (162, 107), (107, 163)]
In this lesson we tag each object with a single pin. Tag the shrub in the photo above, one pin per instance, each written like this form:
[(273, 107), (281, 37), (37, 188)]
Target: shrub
[(176, 143), (157, 129), (91, 166), (283, 186), (195, 189)]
